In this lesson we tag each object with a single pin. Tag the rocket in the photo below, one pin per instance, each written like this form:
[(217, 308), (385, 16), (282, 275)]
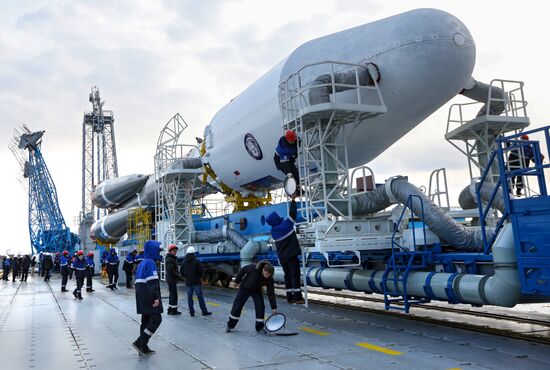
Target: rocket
[(420, 60)]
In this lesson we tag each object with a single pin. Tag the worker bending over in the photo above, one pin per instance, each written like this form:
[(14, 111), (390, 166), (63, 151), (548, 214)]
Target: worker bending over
[(250, 280)]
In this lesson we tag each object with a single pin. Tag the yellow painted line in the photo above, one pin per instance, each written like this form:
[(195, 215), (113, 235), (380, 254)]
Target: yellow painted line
[(314, 331), (213, 304), (378, 348), (454, 368)]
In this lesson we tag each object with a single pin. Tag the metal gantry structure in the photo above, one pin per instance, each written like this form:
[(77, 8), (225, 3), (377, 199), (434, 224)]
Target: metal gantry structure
[(175, 185), (47, 228), (99, 160)]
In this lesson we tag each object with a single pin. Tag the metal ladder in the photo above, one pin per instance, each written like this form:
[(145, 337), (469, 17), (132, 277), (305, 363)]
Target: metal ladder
[(401, 263)]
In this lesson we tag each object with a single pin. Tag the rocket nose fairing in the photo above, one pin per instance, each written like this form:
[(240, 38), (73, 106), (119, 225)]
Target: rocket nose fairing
[(424, 58)]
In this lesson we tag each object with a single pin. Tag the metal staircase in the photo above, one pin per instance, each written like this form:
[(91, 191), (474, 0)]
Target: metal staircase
[(529, 215), (478, 135), (175, 185), (324, 103)]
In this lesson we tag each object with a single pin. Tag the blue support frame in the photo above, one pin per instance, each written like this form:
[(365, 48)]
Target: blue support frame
[(530, 217), (47, 228)]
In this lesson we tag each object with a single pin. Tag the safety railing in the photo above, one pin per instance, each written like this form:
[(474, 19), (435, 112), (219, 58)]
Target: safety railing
[(318, 83), (528, 151), (512, 104)]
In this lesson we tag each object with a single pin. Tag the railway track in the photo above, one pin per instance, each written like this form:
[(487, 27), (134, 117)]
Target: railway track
[(504, 325), (429, 307)]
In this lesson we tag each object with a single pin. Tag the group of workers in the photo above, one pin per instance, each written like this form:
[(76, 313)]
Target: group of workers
[(18, 266), (250, 281), (83, 268)]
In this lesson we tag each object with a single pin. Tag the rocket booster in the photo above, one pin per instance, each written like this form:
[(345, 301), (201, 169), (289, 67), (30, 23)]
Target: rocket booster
[(424, 58), (111, 193)]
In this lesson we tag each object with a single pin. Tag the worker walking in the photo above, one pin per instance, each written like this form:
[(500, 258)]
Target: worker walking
[(79, 266), (172, 277), (25, 264), (128, 267), (148, 302), (285, 156), (33, 264), (90, 271), (15, 266), (192, 271), (6, 267), (250, 280), (288, 250), (47, 265), (112, 261), (64, 266)]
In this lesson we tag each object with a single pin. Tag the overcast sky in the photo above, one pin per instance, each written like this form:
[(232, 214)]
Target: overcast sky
[(152, 59)]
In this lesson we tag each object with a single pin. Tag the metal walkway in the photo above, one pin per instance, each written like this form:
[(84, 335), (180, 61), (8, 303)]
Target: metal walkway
[(42, 328)]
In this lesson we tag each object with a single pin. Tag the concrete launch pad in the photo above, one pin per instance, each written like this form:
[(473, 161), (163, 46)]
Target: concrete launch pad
[(42, 328)]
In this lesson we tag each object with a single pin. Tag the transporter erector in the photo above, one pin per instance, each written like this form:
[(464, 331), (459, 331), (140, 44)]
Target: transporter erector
[(349, 96)]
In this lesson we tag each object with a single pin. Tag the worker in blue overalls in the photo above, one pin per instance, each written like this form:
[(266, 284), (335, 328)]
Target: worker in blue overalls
[(286, 153), (112, 262), (288, 250), (79, 266), (148, 299), (64, 267), (90, 271)]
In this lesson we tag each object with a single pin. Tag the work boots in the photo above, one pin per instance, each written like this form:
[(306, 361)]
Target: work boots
[(173, 311)]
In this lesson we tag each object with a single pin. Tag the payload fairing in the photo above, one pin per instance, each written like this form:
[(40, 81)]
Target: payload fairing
[(425, 57)]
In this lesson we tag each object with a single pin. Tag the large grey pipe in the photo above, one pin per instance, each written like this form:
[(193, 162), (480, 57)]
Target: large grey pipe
[(249, 248), (398, 190), (467, 198), (353, 78), (500, 289), (479, 91)]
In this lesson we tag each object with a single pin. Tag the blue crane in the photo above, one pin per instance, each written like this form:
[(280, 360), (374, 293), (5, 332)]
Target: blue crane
[(47, 227)]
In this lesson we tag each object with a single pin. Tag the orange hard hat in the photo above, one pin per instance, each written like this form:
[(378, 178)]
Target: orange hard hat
[(290, 136), (524, 137)]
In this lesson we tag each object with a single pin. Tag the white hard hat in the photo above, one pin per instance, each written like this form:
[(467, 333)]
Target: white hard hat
[(190, 250)]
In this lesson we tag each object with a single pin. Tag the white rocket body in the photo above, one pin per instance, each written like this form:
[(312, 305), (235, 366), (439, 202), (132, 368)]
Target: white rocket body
[(425, 58)]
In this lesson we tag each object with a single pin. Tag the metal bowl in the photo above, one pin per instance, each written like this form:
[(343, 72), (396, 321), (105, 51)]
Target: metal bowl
[(275, 322)]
